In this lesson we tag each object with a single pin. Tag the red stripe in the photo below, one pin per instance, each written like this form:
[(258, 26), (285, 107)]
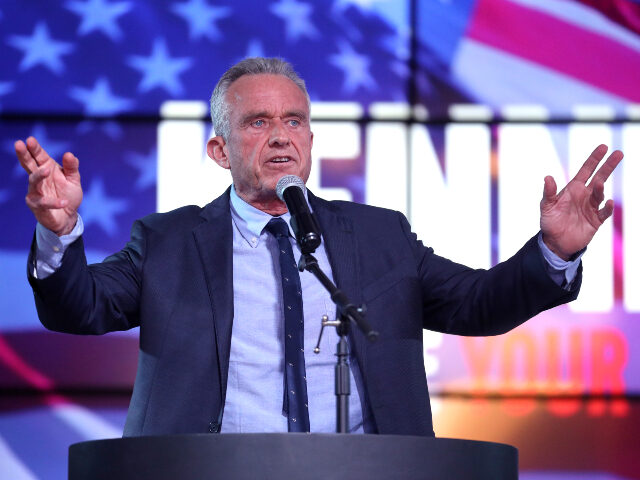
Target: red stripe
[(30, 375), (26, 372), (541, 38), (623, 12)]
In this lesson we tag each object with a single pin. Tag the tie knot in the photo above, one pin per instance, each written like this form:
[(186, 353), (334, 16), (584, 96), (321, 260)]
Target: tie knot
[(277, 227)]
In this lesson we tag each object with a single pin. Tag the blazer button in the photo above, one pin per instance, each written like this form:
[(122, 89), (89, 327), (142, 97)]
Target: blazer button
[(214, 427)]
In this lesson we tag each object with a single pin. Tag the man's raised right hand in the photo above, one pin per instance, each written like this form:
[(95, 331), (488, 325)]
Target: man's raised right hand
[(55, 193)]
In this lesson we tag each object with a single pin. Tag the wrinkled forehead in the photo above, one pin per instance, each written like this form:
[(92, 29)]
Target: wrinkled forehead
[(266, 92)]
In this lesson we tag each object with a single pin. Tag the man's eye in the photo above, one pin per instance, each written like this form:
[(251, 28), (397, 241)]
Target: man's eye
[(294, 123), (258, 123)]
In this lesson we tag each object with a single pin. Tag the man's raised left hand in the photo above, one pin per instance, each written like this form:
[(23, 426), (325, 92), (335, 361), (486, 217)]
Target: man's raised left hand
[(569, 219)]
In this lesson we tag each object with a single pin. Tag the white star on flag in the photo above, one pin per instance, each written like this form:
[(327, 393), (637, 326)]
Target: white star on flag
[(99, 15), (159, 69), (41, 49), (98, 207), (100, 100), (201, 18), (296, 16), (146, 165), (355, 68)]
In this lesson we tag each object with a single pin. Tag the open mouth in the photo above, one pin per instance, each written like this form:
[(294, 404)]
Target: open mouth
[(280, 160)]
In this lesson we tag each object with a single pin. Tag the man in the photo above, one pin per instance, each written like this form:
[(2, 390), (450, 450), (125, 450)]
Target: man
[(209, 287)]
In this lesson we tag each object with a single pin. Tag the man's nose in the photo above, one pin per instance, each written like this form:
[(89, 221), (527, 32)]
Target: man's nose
[(278, 135)]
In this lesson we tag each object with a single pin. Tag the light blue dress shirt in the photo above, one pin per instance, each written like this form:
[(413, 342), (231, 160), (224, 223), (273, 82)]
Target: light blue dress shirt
[(256, 363)]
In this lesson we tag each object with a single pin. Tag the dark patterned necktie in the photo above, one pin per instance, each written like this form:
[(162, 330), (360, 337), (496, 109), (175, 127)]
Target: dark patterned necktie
[(295, 403)]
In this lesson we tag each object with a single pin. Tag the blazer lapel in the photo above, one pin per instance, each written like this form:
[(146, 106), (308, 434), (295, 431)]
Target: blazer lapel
[(342, 249), (339, 242), (214, 239)]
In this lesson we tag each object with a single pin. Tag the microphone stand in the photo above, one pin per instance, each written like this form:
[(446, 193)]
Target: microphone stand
[(347, 312)]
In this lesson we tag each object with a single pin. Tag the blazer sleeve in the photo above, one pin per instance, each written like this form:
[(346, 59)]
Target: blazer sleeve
[(92, 299), (464, 301)]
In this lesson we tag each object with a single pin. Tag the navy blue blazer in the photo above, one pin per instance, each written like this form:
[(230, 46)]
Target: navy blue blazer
[(174, 280)]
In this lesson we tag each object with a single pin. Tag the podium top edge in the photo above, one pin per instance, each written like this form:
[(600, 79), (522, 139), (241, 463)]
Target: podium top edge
[(334, 437)]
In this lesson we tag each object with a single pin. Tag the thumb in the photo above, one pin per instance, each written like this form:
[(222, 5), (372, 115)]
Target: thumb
[(70, 165), (550, 189), (606, 211)]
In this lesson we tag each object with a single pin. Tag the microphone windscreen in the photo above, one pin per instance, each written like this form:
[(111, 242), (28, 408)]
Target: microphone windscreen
[(286, 182)]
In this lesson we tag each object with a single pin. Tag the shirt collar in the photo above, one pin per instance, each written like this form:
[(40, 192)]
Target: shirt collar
[(250, 221)]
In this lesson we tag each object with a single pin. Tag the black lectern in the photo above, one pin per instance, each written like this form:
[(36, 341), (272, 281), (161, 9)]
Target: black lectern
[(291, 455)]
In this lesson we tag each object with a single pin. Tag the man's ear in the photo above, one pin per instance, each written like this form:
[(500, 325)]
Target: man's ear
[(217, 151)]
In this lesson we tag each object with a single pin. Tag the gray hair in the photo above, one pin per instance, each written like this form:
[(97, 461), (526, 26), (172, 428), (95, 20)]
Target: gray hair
[(220, 110)]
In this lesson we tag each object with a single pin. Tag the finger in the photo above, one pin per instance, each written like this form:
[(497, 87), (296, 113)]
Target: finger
[(590, 165), (550, 189), (24, 157), (608, 167), (36, 178), (597, 193), (606, 211), (37, 152), (70, 165)]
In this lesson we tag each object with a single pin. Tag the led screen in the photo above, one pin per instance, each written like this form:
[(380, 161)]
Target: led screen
[(455, 126)]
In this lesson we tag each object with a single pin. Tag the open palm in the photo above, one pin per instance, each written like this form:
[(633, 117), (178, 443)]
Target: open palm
[(569, 219), (55, 192)]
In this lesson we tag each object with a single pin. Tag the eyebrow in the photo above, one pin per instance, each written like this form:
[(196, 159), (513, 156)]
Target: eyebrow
[(252, 115), (297, 113), (292, 113)]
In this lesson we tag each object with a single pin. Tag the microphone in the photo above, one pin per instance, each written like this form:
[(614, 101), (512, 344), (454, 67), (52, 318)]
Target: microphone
[(290, 189)]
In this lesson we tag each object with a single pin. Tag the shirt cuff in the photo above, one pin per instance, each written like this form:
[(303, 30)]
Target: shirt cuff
[(50, 248), (562, 272)]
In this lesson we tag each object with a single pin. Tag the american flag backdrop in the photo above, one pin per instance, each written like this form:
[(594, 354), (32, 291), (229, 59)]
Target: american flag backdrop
[(92, 77)]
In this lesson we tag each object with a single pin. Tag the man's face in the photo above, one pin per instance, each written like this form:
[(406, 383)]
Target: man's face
[(269, 136)]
